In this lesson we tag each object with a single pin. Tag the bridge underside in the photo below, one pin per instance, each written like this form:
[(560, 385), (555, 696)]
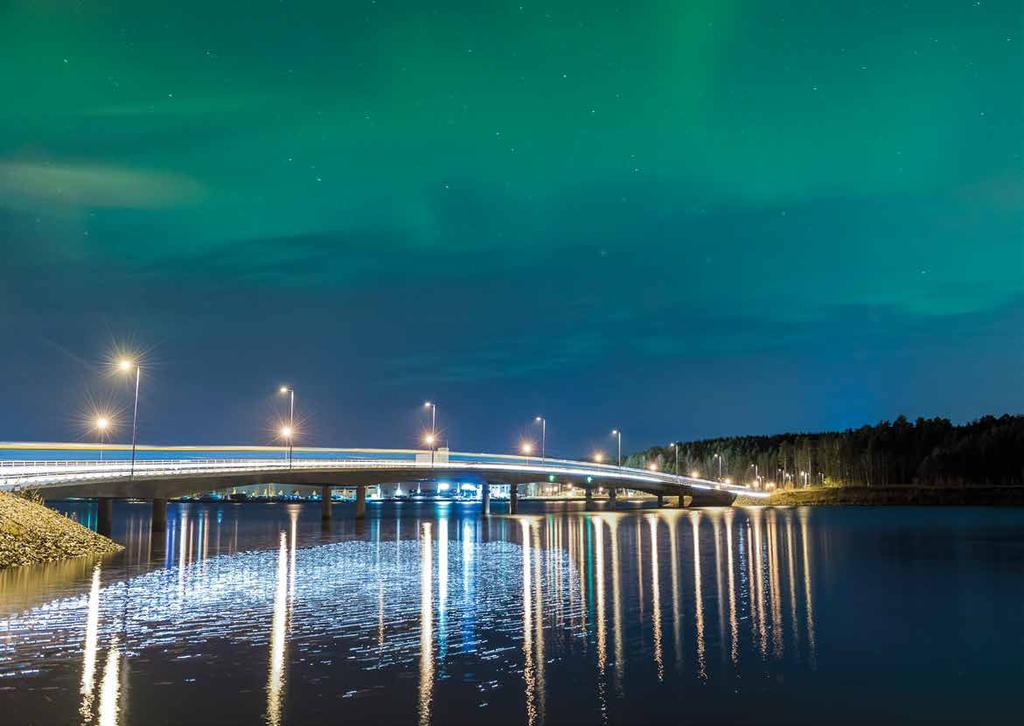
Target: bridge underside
[(170, 487)]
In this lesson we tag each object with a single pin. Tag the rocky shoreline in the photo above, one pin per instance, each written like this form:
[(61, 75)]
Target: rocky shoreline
[(31, 533)]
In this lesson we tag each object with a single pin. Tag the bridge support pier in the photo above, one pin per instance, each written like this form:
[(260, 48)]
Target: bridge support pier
[(104, 515), (613, 496), (513, 499), (681, 501), (588, 499), (485, 500), (158, 522), (325, 503), (661, 501), (361, 501)]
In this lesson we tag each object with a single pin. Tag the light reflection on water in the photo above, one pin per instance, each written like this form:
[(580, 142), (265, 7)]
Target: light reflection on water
[(553, 617)]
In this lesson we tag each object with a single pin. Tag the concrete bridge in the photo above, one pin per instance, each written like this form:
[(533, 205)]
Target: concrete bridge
[(62, 471)]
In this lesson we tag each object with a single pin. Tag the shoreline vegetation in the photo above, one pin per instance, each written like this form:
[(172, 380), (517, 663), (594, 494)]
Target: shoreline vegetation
[(926, 461), (32, 533), (893, 495)]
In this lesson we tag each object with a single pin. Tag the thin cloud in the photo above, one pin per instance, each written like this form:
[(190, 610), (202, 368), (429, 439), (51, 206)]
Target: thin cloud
[(42, 186)]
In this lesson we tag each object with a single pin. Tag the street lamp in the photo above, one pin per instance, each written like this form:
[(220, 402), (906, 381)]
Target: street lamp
[(286, 434), (618, 434), (526, 448), (125, 365), (102, 425), (719, 457), (431, 438), (543, 436), (675, 446), (598, 457), (290, 428), (433, 419)]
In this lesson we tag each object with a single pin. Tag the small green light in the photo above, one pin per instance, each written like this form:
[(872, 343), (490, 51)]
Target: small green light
[(590, 479), (551, 477)]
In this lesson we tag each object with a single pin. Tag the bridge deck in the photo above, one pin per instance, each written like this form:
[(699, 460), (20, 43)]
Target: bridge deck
[(76, 470)]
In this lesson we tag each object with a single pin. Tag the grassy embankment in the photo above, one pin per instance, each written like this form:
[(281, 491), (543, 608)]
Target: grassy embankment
[(31, 532), (892, 495)]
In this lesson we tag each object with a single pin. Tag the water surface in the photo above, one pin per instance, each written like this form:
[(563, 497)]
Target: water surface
[(254, 613)]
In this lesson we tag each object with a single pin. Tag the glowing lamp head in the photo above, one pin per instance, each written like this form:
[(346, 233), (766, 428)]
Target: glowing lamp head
[(652, 467), (286, 432), (102, 423), (615, 432), (428, 439), (427, 404), (125, 365), (526, 448), (284, 390), (695, 474), (598, 457)]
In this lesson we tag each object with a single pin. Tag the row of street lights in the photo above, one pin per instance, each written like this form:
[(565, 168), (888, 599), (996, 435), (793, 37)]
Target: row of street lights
[(103, 424)]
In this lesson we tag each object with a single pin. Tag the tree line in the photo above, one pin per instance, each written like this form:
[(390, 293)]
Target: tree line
[(928, 451)]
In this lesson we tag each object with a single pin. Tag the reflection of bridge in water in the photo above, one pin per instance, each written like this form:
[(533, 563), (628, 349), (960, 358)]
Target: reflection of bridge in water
[(60, 471), (673, 595)]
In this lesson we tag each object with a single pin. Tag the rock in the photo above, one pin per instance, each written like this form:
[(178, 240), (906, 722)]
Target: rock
[(31, 532)]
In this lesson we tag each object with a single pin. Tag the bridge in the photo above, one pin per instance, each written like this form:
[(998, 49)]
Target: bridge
[(159, 473)]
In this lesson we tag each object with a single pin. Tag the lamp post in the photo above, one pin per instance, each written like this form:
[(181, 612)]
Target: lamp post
[(433, 418), (675, 446), (543, 436), (289, 431), (618, 435), (719, 457), (102, 424), (431, 438), (126, 365)]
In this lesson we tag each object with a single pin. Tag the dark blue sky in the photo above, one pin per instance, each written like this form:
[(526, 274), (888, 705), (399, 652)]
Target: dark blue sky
[(683, 221)]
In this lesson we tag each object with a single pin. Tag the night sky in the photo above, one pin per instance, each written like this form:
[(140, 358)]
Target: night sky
[(681, 219)]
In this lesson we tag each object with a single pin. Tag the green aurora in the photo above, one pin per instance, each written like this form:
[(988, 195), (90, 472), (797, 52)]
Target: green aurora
[(680, 218)]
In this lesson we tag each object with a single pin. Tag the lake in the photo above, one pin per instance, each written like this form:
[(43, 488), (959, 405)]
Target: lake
[(430, 613)]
